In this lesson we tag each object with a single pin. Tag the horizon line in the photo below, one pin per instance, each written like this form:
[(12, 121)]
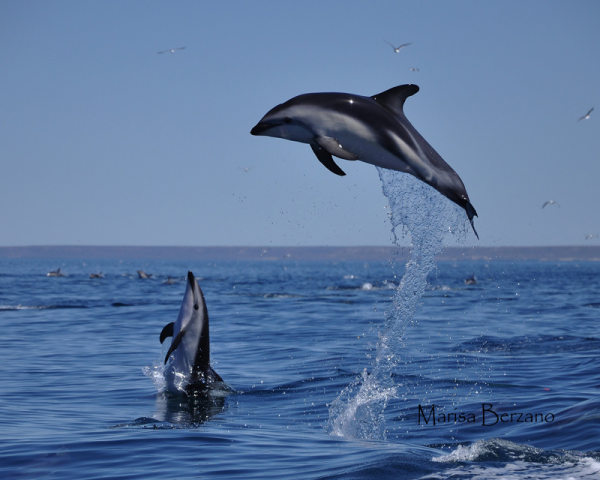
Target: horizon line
[(317, 253)]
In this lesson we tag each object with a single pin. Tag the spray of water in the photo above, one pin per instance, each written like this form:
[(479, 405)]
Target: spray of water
[(427, 216)]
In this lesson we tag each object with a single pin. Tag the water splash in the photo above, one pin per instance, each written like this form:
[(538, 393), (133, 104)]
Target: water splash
[(156, 373), (428, 217)]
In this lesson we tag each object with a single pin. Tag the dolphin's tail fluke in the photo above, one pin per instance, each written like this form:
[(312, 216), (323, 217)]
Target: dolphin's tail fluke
[(471, 213), (474, 231)]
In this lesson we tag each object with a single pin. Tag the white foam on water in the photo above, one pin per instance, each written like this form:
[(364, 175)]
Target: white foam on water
[(584, 468), (503, 459), (428, 217), (462, 454), (495, 448)]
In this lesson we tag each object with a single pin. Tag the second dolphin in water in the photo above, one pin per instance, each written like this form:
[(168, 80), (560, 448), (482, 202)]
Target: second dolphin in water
[(187, 363), (371, 129)]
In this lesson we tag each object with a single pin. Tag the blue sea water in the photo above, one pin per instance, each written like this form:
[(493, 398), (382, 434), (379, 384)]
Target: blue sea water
[(289, 338), (334, 370)]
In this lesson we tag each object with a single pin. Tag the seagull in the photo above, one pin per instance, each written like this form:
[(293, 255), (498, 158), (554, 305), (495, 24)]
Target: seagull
[(414, 69), (587, 115), (171, 50), (397, 50), (589, 236), (245, 169), (550, 202)]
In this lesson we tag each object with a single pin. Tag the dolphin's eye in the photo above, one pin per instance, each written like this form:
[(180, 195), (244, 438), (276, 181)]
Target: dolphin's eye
[(287, 120), (195, 306)]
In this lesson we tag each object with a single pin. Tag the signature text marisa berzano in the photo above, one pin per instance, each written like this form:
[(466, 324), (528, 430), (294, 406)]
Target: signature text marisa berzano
[(489, 417)]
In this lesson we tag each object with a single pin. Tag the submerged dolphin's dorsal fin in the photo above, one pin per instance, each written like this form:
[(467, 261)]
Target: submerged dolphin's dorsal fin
[(175, 343), (167, 331), (394, 98), (326, 159)]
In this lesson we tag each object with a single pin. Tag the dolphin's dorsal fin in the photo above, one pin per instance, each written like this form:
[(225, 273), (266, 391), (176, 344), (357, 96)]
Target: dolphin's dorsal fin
[(394, 98), (175, 343), (325, 158), (167, 331)]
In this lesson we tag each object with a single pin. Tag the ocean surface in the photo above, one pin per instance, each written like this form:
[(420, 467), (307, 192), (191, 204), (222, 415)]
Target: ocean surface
[(517, 354)]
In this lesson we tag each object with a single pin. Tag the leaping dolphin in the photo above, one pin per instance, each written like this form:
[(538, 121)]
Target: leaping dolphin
[(55, 273), (187, 363), (371, 129)]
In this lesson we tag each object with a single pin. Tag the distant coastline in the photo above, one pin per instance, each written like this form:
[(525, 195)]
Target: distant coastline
[(339, 254)]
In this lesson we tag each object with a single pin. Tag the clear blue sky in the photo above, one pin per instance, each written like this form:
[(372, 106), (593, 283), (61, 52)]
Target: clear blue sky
[(105, 142)]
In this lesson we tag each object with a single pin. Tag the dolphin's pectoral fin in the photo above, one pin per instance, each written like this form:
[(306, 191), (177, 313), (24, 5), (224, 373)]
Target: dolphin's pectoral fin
[(175, 343), (394, 98), (471, 213), (167, 331), (325, 158), (334, 147)]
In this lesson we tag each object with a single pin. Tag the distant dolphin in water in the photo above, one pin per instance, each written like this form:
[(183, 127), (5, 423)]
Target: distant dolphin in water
[(187, 363), (371, 129), (55, 273), (143, 275), (472, 280)]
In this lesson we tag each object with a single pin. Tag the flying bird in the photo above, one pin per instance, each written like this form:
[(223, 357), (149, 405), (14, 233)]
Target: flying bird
[(550, 202), (171, 50), (587, 115), (414, 69), (589, 236), (397, 50), (245, 169)]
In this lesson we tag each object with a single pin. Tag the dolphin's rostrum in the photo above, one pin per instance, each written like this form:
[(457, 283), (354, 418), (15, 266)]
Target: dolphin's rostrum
[(187, 363), (371, 129)]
